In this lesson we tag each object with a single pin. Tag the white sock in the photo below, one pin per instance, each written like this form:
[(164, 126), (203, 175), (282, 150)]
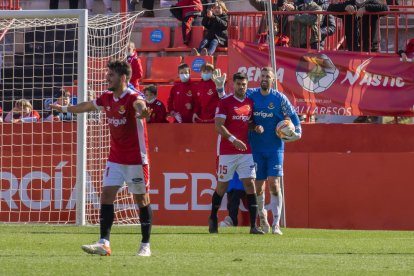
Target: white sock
[(145, 244), (104, 242), (276, 205), (260, 204)]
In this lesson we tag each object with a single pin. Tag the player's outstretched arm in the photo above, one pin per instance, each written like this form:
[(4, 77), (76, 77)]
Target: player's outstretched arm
[(141, 109), (79, 108), (222, 130)]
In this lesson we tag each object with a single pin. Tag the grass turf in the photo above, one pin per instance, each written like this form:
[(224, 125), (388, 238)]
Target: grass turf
[(55, 250)]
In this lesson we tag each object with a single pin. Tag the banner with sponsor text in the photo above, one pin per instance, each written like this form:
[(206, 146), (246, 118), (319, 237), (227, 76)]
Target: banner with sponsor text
[(332, 82)]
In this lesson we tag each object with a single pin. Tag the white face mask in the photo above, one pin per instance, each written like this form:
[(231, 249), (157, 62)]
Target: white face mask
[(129, 53), (184, 77), (359, 2), (206, 76)]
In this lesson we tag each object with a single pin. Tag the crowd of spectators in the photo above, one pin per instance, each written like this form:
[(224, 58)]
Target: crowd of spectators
[(23, 111), (195, 102)]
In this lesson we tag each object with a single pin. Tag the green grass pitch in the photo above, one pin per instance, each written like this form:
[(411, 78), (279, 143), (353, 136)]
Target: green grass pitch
[(55, 250)]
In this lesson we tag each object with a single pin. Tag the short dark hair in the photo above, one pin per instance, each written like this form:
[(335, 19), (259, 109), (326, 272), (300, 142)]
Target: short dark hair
[(267, 69), (151, 88), (183, 66), (239, 76), (62, 92), (120, 67)]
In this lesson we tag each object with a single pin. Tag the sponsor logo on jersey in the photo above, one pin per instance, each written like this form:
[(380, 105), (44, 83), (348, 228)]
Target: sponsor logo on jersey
[(117, 122), (210, 92), (263, 114), (271, 105), (189, 93), (108, 108), (242, 109), (242, 112), (221, 176), (121, 110)]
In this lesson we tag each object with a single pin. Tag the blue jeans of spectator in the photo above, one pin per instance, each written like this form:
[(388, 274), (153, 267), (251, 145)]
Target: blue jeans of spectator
[(211, 45)]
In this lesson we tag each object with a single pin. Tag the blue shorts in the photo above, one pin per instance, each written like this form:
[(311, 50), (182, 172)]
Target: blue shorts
[(268, 164)]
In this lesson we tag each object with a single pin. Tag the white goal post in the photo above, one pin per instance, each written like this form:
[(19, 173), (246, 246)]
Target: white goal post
[(51, 171)]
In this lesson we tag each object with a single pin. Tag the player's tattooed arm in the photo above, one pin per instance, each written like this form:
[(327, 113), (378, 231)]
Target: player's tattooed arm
[(141, 109), (79, 108)]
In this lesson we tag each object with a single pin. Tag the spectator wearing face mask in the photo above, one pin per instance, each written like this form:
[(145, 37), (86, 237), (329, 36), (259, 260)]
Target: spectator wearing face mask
[(206, 97), (181, 99), (136, 66), (22, 112), (158, 111)]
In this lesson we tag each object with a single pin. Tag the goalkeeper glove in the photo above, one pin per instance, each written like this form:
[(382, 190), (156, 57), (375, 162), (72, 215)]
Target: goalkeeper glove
[(292, 138)]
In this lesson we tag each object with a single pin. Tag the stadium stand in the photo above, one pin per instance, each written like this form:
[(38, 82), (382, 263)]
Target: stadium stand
[(222, 63), (178, 44), (10, 5), (163, 69), (195, 63), (155, 38), (164, 92)]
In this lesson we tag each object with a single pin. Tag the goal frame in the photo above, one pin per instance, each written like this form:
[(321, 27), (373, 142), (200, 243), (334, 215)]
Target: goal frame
[(82, 16)]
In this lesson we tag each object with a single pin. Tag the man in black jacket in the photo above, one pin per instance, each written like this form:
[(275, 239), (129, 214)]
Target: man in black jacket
[(368, 35)]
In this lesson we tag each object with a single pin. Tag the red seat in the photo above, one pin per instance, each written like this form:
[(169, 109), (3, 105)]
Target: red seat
[(222, 63), (163, 93), (195, 63), (155, 38), (178, 44), (163, 69)]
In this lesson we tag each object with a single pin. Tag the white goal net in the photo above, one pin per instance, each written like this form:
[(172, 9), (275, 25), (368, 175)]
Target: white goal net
[(51, 164)]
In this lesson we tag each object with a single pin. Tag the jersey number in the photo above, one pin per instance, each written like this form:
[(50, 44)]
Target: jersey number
[(222, 169)]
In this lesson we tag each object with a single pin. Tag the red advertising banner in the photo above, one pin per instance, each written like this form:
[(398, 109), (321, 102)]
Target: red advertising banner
[(332, 82), (38, 175)]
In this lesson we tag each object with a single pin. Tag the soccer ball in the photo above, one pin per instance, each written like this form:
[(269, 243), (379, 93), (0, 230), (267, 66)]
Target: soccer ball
[(284, 128)]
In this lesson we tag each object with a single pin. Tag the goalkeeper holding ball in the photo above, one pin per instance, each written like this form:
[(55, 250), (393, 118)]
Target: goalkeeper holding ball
[(270, 107)]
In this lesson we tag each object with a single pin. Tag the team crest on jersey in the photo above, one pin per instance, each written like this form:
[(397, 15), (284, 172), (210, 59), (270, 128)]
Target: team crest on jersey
[(242, 109), (121, 110), (271, 105), (210, 92), (189, 93)]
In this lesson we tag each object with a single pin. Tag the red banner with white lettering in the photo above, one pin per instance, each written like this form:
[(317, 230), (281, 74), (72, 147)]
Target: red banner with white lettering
[(332, 82)]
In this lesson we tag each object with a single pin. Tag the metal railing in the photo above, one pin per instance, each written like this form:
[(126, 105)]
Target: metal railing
[(9, 5), (390, 34)]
